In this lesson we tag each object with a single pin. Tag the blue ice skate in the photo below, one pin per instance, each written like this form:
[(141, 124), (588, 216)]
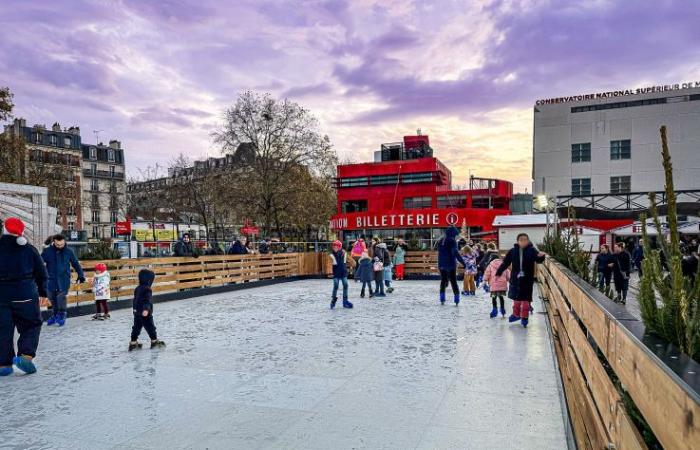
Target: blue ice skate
[(503, 312), (333, 302), (486, 288), (442, 298), (456, 299), (347, 304), (513, 318), (494, 313), (524, 321), (24, 365), (5, 371), (51, 320), (61, 320)]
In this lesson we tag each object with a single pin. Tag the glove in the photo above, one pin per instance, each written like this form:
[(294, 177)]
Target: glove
[(81, 280)]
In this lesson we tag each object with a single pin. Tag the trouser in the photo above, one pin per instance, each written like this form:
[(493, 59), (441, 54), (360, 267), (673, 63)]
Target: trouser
[(25, 315), (449, 276), (499, 297), (141, 322), (357, 266), (521, 308), (379, 282), (604, 280), (101, 306), (387, 276), (469, 283), (368, 284), (336, 282), (639, 268), (59, 302), (622, 288), (400, 271)]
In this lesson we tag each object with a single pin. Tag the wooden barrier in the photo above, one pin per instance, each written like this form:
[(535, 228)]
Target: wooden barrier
[(598, 416), (173, 274)]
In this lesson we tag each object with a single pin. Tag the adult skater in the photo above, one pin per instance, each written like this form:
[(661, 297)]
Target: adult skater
[(522, 257), (448, 255), (22, 286), (59, 259)]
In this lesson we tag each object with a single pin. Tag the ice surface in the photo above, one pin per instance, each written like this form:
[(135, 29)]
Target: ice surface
[(274, 367)]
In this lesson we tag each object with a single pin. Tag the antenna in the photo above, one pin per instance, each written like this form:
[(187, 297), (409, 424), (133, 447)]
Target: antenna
[(97, 135)]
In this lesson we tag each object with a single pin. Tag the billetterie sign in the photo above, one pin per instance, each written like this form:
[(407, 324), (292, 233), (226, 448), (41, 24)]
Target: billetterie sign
[(621, 93), (424, 218)]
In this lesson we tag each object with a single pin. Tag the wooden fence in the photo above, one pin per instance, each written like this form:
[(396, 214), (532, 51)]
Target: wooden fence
[(173, 274), (580, 327)]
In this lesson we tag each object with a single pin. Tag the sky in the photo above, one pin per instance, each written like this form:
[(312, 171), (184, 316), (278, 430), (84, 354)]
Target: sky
[(157, 75)]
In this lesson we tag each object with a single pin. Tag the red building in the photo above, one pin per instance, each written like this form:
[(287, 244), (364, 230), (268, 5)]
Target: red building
[(408, 193)]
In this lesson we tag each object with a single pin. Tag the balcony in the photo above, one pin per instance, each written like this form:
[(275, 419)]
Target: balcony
[(103, 174), (75, 235)]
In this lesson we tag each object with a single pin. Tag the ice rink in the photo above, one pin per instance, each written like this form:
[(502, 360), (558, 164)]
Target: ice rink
[(274, 367)]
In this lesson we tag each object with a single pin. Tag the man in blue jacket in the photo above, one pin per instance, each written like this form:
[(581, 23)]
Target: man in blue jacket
[(59, 259), (22, 286), (448, 255)]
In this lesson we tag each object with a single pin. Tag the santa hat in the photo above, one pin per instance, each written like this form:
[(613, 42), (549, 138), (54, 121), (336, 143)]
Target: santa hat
[(15, 227)]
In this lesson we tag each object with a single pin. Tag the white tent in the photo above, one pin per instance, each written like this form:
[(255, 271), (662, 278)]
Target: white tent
[(690, 228), (635, 229)]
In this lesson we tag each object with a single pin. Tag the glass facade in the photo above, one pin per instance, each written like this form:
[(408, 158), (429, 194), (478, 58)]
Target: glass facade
[(417, 202)]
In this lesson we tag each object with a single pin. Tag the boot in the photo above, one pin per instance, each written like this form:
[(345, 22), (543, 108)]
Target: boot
[(524, 321), (156, 343), (442, 298), (333, 301), (24, 364), (106, 316), (390, 290), (6, 371), (456, 299), (347, 304), (503, 312), (97, 317), (494, 313), (362, 294), (61, 320), (51, 320), (134, 345), (513, 318)]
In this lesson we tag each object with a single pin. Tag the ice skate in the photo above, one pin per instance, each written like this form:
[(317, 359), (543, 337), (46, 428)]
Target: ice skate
[(333, 301), (347, 304), (51, 320), (494, 313), (503, 312), (442, 298), (456, 299), (157, 344), (24, 364), (390, 290), (97, 317), (524, 321), (513, 318), (106, 316), (6, 371), (61, 320), (135, 345)]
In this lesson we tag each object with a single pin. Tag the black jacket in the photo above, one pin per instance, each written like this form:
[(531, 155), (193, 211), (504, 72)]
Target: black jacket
[(22, 271), (522, 278), (603, 261), (622, 266), (183, 248), (143, 292)]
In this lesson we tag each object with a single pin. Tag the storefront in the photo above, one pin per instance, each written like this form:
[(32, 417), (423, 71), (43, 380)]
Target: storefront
[(408, 193)]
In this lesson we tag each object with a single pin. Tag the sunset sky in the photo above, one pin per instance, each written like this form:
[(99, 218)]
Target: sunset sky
[(158, 74)]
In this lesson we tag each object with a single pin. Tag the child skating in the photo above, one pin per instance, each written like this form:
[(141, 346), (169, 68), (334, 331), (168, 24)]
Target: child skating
[(143, 311), (365, 274), (100, 289), (497, 285), (340, 273), (469, 284)]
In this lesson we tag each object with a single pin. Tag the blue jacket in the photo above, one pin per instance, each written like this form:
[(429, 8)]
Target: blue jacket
[(602, 261), (22, 271), (58, 264), (143, 292), (638, 255), (238, 249), (340, 268), (365, 271), (448, 253)]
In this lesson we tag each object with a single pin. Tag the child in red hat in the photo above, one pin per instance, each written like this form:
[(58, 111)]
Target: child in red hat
[(100, 288)]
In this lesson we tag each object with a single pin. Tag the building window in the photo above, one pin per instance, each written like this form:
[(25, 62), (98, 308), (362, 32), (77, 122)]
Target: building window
[(452, 201), (581, 152), (621, 185), (70, 210), (95, 216), (38, 138), (95, 201), (423, 177), (110, 155), (353, 182), (113, 232), (93, 153), (96, 232), (71, 226), (67, 141), (53, 139), (353, 206), (417, 202), (114, 216), (94, 185), (379, 180), (111, 171), (620, 149), (580, 186)]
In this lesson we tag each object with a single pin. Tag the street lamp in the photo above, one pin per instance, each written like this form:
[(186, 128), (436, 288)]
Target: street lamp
[(542, 202)]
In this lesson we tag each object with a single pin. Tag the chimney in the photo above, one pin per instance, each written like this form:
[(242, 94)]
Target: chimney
[(115, 144), (56, 127)]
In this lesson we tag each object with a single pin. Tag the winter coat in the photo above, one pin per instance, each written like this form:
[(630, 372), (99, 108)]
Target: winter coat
[(185, 249), (381, 252), (100, 286), (496, 283), (622, 266), (365, 271), (638, 255), (522, 277), (489, 256), (358, 249), (58, 264), (602, 263), (238, 249), (143, 293), (470, 264), (22, 271), (448, 254), (339, 262), (399, 255), (264, 248)]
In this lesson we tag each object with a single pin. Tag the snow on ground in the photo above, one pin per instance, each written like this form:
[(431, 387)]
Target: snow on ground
[(274, 367)]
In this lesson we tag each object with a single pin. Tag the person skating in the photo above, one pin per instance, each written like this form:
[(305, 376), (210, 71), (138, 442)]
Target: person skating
[(101, 291), (448, 255), (365, 274), (521, 259), (358, 248), (23, 279), (59, 259), (498, 286), (621, 266), (143, 311), (469, 284), (480, 254), (339, 262), (400, 259)]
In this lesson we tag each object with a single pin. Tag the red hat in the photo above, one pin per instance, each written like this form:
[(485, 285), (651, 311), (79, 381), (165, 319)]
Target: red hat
[(100, 267), (15, 226), (337, 243)]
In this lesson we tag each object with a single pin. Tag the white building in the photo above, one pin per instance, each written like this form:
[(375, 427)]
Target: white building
[(602, 151)]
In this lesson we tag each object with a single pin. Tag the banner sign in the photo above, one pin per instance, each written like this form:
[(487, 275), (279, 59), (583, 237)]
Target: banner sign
[(122, 228), (419, 218), (620, 93)]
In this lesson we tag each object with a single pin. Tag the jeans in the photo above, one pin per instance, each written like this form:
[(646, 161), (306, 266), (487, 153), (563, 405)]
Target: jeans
[(387, 276), (25, 315), (59, 303), (604, 280), (141, 322), (449, 276), (336, 282), (379, 282)]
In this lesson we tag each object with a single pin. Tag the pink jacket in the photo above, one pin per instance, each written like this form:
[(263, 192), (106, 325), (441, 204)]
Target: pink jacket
[(496, 283)]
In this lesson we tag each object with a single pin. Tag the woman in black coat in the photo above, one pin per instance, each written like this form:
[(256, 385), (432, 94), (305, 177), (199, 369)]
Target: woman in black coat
[(621, 266)]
